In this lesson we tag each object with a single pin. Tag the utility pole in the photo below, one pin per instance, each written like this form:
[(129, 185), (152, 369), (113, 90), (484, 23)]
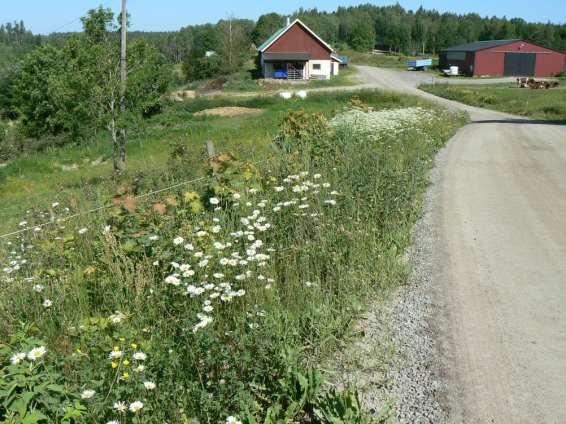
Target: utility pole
[(120, 160)]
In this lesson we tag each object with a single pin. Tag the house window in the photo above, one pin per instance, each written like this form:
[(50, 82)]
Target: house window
[(316, 67)]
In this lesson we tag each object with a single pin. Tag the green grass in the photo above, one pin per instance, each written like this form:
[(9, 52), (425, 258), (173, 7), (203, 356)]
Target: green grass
[(543, 104), (35, 180), (386, 60), (259, 357)]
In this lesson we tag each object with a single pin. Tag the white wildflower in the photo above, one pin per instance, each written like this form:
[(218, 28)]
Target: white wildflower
[(87, 394), (139, 356), (135, 406), (214, 201), (120, 406), (115, 354), (47, 303), (149, 385), (178, 240), (17, 358), (36, 353)]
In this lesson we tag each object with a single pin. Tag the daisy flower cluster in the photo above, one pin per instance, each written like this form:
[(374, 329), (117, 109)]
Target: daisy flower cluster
[(218, 261), (129, 364), (33, 355), (381, 123)]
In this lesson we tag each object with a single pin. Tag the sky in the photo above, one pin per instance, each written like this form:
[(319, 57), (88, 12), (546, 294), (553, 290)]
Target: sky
[(45, 16)]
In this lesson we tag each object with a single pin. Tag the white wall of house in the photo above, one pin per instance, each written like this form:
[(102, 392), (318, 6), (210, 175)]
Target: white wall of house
[(336, 68), (320, 68)]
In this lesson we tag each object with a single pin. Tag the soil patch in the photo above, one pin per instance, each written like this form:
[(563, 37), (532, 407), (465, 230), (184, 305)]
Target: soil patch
[(229, 111)]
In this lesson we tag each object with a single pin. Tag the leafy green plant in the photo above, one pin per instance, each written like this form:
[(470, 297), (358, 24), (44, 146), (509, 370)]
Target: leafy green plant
[(32, 389)]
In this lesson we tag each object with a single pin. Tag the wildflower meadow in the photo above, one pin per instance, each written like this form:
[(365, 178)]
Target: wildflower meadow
[(217, 301)]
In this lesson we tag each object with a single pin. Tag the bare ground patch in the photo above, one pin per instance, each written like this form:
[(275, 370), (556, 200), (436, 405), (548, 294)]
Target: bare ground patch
[(229, 111)]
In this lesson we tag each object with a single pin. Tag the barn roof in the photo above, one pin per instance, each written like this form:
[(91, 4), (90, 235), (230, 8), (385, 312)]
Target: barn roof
[(479, 45), (275, 36)]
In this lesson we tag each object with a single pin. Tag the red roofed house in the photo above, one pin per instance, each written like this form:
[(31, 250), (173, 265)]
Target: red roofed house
[(296, 52)]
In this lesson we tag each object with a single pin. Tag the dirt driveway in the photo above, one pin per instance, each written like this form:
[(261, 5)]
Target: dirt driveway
[(500, 263)]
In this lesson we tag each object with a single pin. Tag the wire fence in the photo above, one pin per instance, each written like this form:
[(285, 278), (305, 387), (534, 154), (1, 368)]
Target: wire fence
[(110, 205)]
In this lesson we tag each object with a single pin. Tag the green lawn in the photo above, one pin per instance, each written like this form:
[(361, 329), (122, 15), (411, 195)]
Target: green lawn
[(543, 104)]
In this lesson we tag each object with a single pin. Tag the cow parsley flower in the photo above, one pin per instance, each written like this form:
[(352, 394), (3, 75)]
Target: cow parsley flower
[(178, 240), (87, 394), (214, 200), (232, 420), (120, 406), (135, 406), (47, 303), (149, 385), (117, 317), (38, 288), (114, 354), (139, 356)]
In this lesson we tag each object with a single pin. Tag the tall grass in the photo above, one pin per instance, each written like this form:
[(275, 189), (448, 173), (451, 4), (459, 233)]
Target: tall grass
[(293, 247)]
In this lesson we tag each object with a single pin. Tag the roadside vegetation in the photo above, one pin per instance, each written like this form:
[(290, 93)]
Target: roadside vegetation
[(216, 300), (543, 104)]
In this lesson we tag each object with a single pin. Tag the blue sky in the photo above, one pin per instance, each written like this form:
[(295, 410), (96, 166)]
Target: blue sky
[(44, 16)]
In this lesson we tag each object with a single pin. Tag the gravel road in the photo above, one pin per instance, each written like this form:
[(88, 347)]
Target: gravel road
[(487, 307)]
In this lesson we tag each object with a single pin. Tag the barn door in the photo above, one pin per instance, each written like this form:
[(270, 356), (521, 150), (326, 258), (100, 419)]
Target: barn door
[(519, 64)]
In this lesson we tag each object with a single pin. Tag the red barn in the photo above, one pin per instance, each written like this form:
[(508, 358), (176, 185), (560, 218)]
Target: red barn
[(503, 58), (296, 52)]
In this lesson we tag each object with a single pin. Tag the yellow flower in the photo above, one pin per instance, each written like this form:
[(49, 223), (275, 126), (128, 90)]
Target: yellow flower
[(114, 365), (134, 346), (122, 339), (126, 362), (116, 348), (125, 375)]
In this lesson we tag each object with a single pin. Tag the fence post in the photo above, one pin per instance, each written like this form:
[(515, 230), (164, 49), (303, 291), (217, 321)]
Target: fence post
[(210, 149)]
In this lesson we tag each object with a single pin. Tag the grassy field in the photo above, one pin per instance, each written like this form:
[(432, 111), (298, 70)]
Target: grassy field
[(543, 104), (398, 61), (73, 174), (217, 301)]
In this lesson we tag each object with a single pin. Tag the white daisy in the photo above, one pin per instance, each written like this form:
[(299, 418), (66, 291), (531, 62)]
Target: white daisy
[(36, 353)]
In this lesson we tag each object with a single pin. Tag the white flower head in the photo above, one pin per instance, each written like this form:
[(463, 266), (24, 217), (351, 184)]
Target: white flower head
[(139, 356), (214, 200), (232, 420), (149, 385), (120, 406), (38, 288), (47, 303), (87, 394), (83, 230), (117, 317), (115, 354), (36, 353), (178, 240), (135, 406), (17, 358)]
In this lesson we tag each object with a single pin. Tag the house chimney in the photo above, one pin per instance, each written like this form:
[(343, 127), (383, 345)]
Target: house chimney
[(288, 21)]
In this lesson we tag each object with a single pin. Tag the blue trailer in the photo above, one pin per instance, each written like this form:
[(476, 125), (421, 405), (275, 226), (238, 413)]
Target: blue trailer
[(419, 64)]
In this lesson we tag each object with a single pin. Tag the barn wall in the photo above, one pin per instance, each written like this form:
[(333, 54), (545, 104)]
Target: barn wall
[(299, 40), (491, 61)]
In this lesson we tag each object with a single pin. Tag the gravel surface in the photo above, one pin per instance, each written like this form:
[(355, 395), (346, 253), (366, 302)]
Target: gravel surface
[(393, 363)]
